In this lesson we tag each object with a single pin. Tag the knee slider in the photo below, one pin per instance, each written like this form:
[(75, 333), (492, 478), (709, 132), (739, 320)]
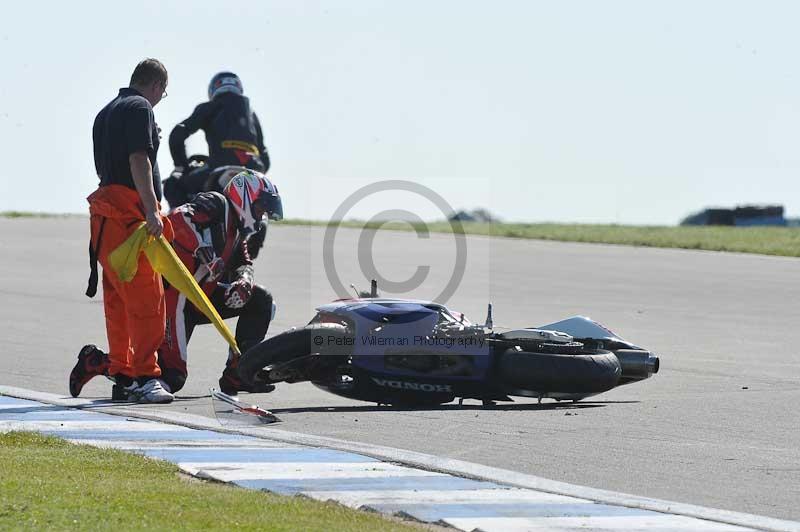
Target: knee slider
[(174, 379), (261, 300)]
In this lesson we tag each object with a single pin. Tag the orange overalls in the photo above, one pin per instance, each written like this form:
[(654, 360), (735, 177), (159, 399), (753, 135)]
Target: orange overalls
[(135, 311)]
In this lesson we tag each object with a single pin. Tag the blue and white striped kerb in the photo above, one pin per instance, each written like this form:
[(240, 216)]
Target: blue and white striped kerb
[(350, 479)]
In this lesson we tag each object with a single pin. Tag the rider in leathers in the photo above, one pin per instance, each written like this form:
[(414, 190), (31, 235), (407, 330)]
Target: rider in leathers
[(233, 133), (218, 247)]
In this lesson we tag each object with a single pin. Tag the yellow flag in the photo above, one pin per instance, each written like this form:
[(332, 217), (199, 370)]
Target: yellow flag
[(124, 261)]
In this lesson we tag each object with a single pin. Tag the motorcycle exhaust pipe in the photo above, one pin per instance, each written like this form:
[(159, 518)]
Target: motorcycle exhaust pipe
[(637, 364)]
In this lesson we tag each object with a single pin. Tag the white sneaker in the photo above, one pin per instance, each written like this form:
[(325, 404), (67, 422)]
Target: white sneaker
[(153, 392), (165, 385)]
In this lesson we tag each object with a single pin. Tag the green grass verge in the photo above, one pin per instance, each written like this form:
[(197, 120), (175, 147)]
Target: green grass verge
[(26, 214), (49, 484), (784, 241)]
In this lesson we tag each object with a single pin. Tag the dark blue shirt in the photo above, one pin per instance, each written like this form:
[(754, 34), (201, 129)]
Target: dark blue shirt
[(125, 126)]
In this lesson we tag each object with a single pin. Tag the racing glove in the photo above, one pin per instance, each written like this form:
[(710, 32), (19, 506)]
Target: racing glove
[(206, 208), (238, 293), (177, 173)]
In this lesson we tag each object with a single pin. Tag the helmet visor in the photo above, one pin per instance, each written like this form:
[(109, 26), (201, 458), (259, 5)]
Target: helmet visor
[(269, 204)]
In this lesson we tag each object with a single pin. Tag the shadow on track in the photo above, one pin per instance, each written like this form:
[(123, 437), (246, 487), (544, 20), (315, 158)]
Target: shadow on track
[(442, 408), (98, 402), (449, 407)]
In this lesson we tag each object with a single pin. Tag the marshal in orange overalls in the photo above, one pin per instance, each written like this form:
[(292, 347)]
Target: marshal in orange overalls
[(135, 311)]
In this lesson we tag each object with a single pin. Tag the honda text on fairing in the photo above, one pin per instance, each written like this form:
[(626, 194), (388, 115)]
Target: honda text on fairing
[(399, 351)]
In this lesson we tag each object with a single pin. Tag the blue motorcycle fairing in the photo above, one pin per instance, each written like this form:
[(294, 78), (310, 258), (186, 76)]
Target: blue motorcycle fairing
[(396, 338)]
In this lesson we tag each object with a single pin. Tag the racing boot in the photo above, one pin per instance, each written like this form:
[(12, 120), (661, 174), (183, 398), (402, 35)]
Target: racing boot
[(231, 384), (91, 363)]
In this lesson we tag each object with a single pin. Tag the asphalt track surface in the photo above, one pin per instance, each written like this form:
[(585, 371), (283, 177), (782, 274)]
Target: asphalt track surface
[(718, 426)]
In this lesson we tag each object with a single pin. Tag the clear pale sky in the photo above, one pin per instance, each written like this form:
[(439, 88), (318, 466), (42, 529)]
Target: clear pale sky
[(581, 111)]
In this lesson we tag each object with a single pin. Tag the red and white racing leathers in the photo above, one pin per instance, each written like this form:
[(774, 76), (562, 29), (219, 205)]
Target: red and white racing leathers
[(210, 243)]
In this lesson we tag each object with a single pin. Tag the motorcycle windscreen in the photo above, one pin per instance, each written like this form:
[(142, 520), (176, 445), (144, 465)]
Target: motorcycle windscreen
[(581, 327), (230, 412)]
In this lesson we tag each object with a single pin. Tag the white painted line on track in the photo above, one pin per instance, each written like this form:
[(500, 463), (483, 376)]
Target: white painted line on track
[(594, 524), (137, 446), (232, 471), (121, 425), (357, 499), (713, 519)]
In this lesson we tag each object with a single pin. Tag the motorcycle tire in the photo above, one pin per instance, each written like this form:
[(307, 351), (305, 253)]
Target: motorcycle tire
[(593, 371), (322, 338)]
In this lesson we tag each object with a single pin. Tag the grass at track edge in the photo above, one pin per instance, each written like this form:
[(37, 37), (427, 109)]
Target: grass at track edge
[(779, 241), (49, 483), (26, 214)]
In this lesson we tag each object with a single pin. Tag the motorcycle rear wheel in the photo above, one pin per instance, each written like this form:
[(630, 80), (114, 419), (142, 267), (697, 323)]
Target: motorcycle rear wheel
[(591, 372)]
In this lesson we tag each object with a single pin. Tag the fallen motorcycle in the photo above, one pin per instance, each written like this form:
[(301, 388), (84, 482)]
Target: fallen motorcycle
[(408, 352)]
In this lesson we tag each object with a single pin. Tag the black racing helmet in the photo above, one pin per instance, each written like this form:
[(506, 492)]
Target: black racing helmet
[(224, 82)]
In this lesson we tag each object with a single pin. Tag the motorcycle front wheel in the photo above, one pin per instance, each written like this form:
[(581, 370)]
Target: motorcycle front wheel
[(319, 338)]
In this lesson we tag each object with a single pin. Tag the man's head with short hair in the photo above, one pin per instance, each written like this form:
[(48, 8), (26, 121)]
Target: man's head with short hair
[(150, 78)]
